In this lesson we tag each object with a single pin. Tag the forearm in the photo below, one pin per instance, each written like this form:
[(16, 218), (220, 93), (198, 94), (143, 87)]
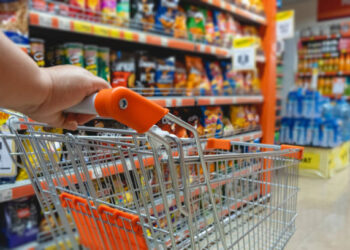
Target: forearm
[(23, 85)]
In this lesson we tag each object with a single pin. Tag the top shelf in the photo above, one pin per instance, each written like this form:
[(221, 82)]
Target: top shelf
[(246, 14), (319, 38)]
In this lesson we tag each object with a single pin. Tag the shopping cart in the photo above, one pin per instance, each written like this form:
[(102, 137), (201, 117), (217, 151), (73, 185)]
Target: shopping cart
[(103, 188)]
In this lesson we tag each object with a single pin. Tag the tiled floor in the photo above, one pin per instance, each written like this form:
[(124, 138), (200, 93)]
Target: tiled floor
[(323, 221)]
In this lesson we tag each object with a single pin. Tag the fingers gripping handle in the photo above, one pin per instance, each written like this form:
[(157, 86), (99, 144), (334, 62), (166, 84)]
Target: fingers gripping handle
[(125, 106)]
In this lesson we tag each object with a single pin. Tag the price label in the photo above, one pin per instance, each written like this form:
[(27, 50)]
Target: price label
[(115, 33), (83, 27), (101, 30), (310, 161), (45, 20), (64, 23), (244, 53), (285, 24)]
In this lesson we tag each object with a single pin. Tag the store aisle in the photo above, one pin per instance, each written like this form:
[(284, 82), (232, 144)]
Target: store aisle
[(324, 214)]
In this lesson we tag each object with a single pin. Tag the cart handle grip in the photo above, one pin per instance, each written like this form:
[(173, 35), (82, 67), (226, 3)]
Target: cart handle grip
[(123, 105), (223, 144), (298, 155)]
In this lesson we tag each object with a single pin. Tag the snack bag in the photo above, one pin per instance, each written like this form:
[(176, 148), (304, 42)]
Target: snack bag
[(180, 77), (231, 31), (193, 118), (211, 120), (228, 127), (123, 12), (123, 70), (165, 71), (229, 83), (93, 8), (179, 131), (166, 125), (108, 10), (180, 23), (197, 80), (76, 7), (215, 76), (209, 28), (195, 23), (143, 12), (146, 74), (220, 21), (166, 13), (238, 118)]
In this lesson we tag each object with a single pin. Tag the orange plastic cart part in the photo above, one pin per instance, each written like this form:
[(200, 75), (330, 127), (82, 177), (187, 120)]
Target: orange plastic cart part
[(129, 108), (104, 227), (298, 155), (214, 143)]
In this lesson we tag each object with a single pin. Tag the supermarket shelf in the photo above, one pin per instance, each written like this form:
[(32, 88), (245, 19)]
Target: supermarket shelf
[(179, 101), (246, 14), (319, 38), (330, 74), (40, 19)]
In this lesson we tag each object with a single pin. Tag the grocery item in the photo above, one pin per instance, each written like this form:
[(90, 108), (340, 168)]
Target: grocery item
[(195, 23), (74, 54), (212, 121), (165, 18), (76, 8), (108, 10), (103, 63), (197, 80), (238, 118), (37, 51), (143, 12), (164, 75), (180, 23), (124, 70), (91, 58), (93, 8), (209, 28), (220, 21), (216, 77), (60, 55), (180, 77), (123, 12), (146, 73), (229, 83)]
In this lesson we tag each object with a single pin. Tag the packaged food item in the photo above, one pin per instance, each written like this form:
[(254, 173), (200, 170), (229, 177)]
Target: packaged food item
[(93, 8), (229, 84), (165, 71), (209, 28), (76, 8), (165, 18), (220, 21), (216, 77), (91, 58), (180, 25), (166, 125), (124, 70), (60, 55), (195, 23), (19, 221), (212, 121), (103, 63), (193, 118), (37, 51), (123, 12), (108, 11), (50, 56), (180, 77), (228, 127), (231, 31), (146, 73), (74, 54), (238, 118), (14, 21), (143, 12), (197, 81)]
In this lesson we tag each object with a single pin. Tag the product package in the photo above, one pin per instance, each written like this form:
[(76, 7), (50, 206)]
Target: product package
[(180, 77), (220, 21), (166, 13), (37, 51), (216, 77), (103, 63), (123, 12), (91, 58), (124, 68), (76, 8), (108, 11), (195, 23), (238, 117), (165, 71), (146, 76), (180, 24), (229, 84), (74, 53), (93, 9), (194, 118), (197, 81), (212, 121), (143, 12), (210, 28), (19, 221)]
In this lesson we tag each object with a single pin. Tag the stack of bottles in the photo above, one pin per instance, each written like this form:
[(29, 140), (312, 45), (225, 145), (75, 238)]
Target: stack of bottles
[(313, 120)]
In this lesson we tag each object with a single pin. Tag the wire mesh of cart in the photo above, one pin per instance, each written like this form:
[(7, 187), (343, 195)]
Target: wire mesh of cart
[(104, 188)]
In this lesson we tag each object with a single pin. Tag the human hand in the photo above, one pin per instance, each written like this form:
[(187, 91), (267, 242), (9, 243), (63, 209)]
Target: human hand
[(66, 87)]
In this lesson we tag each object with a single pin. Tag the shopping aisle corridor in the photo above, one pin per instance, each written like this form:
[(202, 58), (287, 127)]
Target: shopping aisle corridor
[(323, 220)]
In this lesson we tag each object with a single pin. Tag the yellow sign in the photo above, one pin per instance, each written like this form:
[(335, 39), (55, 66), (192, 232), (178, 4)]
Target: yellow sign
[(3, 118), (284, 15), (101, 30), (115, 33), (83, 27), (310, 161), (244, 42)]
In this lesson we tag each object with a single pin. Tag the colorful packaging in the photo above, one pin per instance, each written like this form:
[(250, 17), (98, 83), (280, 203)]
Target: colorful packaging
[(165, 71), (197, 80), (238, 118), (124, 70), (103, 63), (123, 12), (166, 13), (74, 54), (193, 118), (209, 28), (212, 121), (108, 10), (220, 21), (179, 131), (37, 51), (228, 127), (195, 23), (91, 58), (19, 222), (166, 125), (146, 73), (216, 77), (180, 77), (231, 31), (180, 25), (229, 84), (60, 55), (143, 12), (93, 8), (76, 7)]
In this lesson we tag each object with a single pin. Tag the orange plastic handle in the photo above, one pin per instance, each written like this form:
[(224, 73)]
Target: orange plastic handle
[(298, 155), (214, 143), (129, 108)]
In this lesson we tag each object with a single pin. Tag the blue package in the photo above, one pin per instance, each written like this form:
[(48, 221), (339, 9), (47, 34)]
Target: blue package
[(311, 107), (316, 132), (295, 103), (215, 76), (299, 132), (285, 130), (164, 76), (165, 17), (229, 85)]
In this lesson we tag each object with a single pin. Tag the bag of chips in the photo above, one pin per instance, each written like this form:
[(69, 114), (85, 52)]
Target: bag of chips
[(180, 77), (197, 80), (180, 23), (229, 84), (123, 69), (216, 77), (165, 71), (220, 21), (195, 23), (166, 13), (146, 75), (143, 12)]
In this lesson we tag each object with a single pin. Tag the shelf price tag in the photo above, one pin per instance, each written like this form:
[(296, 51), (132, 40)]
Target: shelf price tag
[(244, 53), (83, 27), (101, 30), (285, 24)]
